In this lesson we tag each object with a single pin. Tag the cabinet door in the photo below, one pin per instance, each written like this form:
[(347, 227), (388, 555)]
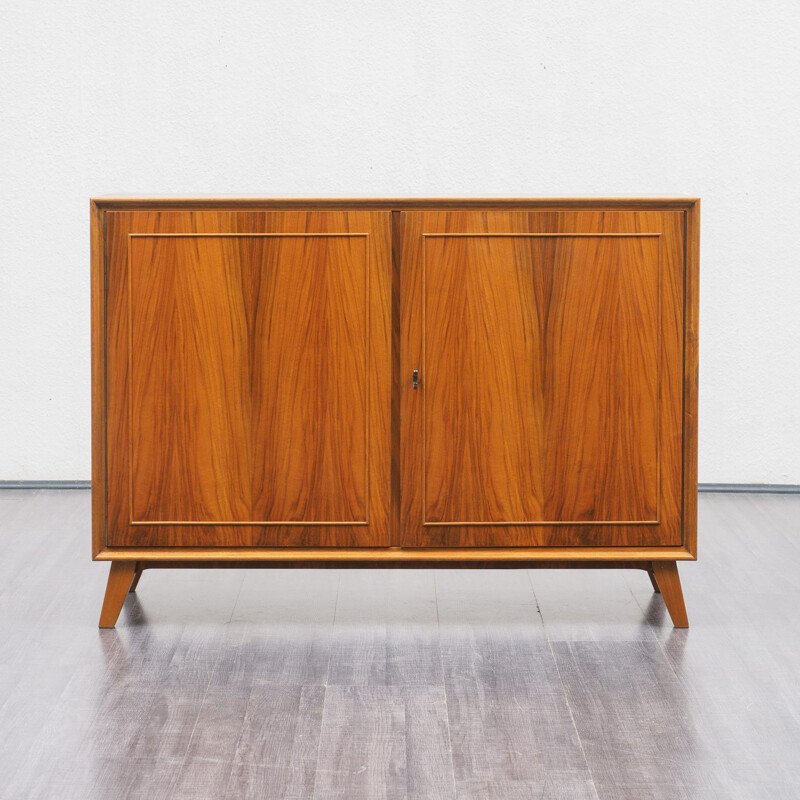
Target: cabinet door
[(549, 349), (248, 378)]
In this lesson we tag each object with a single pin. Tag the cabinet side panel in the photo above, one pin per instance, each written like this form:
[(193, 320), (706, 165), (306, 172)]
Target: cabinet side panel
[(98, 329), (691, 376)]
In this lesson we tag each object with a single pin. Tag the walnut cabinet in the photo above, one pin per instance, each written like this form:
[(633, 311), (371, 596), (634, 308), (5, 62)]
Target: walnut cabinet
[(394, 383)]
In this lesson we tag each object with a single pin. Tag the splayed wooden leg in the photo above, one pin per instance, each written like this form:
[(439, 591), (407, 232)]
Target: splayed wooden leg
[(652, 579), (136, 575), (666, 575), (120, 577)]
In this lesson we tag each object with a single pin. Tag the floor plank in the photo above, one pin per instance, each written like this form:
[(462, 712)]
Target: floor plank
[(510, 725), (281, 629), (276, 752), (581, 605), (385, 633), (384, 742), (634, 720)]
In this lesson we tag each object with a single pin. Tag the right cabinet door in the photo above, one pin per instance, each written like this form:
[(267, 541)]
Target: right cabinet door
[(548, 405)]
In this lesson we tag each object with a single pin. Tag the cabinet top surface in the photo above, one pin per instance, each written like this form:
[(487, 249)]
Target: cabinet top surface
[(399, 204)]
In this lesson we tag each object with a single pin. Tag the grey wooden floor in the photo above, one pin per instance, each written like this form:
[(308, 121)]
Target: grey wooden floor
[(408, 684)]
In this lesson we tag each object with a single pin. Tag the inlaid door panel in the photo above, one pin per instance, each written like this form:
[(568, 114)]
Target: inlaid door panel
[(549, 350), (249, 378)]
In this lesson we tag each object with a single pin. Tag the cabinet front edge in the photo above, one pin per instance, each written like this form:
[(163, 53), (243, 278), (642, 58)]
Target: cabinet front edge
[(397, 204), (383, 554), (98, 374)]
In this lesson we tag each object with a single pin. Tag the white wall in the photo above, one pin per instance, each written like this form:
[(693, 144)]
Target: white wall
[(493, 98)]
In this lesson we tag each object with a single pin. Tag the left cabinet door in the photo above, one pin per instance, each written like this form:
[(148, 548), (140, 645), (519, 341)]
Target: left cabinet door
[(248, 378)]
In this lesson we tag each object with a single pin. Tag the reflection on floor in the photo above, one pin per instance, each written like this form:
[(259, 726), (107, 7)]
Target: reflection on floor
[(418, 684)]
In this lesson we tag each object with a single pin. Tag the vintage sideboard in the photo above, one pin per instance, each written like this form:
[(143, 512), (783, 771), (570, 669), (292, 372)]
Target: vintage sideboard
[(394, 383)]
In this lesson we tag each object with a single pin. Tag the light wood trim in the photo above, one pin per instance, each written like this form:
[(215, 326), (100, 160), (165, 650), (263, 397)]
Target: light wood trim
[(397, 554), (226, 235), (149, 523), (143, 565), (690, 374), (524, 235), (401, 203), (98, 327), (540, 523)]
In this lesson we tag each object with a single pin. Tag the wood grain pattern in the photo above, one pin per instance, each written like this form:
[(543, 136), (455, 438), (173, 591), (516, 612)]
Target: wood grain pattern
[(251, 391), (540, 365), (550, 348), (248, 362)]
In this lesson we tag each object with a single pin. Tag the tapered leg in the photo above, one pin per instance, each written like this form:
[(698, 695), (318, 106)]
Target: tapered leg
[(119, 581), (652, 580), (136, 575), (666, 575)]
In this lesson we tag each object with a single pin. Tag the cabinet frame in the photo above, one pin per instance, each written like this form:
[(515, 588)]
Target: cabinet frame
[(395, 556)]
